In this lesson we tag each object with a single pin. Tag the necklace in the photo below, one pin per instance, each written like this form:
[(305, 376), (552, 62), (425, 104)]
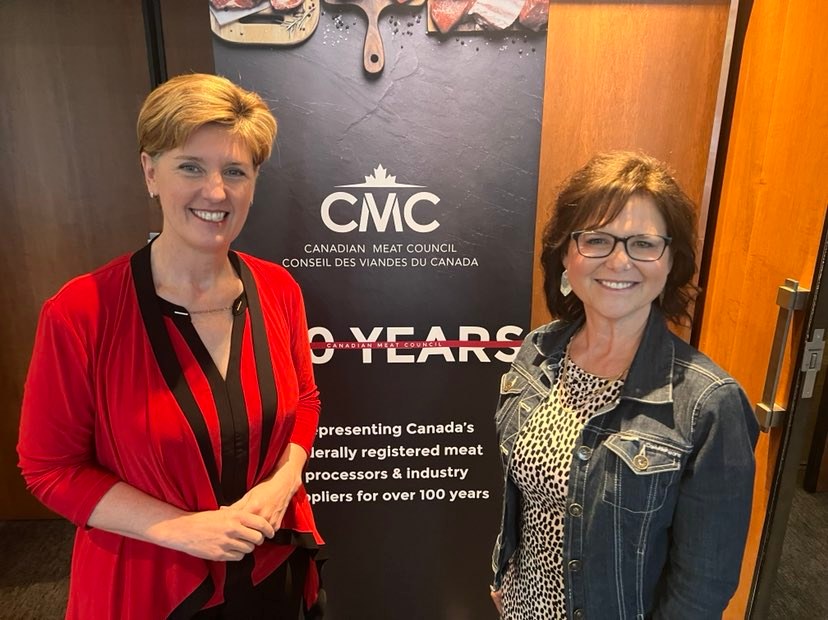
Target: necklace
[(565, 389), (211, 311)]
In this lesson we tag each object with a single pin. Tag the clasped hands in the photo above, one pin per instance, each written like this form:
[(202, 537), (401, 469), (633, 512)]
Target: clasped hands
[(231, 532)]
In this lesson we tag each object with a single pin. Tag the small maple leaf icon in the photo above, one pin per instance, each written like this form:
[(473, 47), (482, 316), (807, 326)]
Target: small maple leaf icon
[(380, 177)]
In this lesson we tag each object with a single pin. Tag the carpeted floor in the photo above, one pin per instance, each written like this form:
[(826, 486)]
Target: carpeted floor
[(801, 589), (34, 566), (34, 569)]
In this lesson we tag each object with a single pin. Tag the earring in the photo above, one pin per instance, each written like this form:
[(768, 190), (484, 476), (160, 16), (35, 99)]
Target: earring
[(566, 287), (152, 195)]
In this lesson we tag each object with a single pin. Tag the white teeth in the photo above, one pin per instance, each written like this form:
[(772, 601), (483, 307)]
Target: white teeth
[(210, 216), (616, 285)]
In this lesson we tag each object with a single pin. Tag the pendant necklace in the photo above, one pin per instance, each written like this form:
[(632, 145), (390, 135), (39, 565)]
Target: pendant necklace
[(565, 384)]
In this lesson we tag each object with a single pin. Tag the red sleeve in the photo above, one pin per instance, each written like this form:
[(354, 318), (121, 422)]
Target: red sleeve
[(307, 410), (57, 424)]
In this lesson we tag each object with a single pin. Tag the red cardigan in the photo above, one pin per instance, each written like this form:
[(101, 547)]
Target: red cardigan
[(120, 388)]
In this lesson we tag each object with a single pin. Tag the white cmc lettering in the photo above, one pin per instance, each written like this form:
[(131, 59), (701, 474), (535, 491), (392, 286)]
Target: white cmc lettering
[(391, 209), (408, 212), (371, 214), (326, 212)]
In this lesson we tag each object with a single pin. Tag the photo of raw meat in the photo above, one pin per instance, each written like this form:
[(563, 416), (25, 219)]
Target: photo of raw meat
[(534, 14), (285, 5), (234, 4), (490, 15), (446, 14), (496, 14), (264, 22)]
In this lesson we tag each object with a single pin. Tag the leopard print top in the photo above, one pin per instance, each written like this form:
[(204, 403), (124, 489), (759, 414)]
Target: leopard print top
[(533, 585)]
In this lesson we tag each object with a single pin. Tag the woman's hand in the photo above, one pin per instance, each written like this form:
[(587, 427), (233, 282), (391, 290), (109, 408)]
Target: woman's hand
[(270, 498), (222, 535), (497, 599), (219, 535)]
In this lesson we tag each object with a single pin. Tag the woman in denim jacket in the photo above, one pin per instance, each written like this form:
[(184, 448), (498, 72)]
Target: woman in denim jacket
[(628, 455)]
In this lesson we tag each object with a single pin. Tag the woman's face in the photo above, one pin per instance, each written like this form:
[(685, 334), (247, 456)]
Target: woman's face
[(617, 288), (205, 188)]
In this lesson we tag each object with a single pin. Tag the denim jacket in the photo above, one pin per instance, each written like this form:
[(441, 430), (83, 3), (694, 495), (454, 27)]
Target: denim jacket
[(660, 483)]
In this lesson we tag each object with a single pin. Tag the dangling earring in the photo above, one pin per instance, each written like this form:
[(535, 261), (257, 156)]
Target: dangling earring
[(566, 287)]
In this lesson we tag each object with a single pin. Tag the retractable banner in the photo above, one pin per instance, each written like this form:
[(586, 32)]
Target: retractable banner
[(401, 195)]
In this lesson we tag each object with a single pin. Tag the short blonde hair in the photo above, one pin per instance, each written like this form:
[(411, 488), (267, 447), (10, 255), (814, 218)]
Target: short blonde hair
[(183, 104)]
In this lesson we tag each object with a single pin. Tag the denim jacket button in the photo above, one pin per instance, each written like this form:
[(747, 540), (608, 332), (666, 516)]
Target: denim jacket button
[(579, 614), (641, 462), (575, 565), (584, 453), (576, 510)]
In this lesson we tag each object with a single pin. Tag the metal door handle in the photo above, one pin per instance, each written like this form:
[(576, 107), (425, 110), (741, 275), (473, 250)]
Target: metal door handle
[(789, 298)]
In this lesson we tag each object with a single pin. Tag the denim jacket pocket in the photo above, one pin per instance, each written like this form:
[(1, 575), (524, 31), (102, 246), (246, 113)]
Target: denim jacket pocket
[(639, 471)]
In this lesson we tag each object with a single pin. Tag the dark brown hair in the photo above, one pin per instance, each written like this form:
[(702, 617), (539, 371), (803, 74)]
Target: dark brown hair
[(594, 196)]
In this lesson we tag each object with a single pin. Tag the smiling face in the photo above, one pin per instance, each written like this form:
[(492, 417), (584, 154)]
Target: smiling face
[(616, 288), (205, 188)]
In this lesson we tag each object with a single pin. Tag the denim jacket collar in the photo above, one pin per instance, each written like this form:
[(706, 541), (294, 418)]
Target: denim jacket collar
[(651, 371)]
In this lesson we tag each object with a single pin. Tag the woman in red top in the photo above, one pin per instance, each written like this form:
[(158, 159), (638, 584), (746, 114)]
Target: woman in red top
[(170, 405)]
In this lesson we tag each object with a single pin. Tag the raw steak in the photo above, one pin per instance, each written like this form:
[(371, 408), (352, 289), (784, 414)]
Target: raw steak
[(496, 14), (535, 14), (285, 5), (446, 14), (234, 4)]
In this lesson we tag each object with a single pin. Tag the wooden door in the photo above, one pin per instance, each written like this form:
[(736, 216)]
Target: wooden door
[(770, 216), (640, 76)]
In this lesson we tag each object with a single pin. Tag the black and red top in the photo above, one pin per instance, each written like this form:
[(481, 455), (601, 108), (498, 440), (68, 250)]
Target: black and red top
[(121, 388)]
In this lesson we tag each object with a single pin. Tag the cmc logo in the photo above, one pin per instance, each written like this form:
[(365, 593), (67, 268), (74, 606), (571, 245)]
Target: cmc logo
[(339, 215)]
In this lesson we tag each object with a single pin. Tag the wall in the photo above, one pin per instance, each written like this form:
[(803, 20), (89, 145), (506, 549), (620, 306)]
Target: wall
[(74, 76)]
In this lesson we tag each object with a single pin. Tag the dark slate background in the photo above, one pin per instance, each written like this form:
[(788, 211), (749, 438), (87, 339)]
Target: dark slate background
[(460, 115)]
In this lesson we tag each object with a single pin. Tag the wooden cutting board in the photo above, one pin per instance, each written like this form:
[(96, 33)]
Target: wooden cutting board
[(373, 51), (269, 27)]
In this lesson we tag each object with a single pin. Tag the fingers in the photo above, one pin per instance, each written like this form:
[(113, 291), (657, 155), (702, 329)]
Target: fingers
[(497, 600), (244, 533), (258, 527)]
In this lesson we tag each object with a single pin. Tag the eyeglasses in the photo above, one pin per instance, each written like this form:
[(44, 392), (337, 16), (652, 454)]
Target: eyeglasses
[(644, 248)]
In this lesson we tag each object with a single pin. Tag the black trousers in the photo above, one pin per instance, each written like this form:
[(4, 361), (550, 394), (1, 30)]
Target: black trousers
[(278, 597)]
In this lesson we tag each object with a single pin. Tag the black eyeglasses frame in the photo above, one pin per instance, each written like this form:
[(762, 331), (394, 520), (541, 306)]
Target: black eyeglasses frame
[(623, 240)]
